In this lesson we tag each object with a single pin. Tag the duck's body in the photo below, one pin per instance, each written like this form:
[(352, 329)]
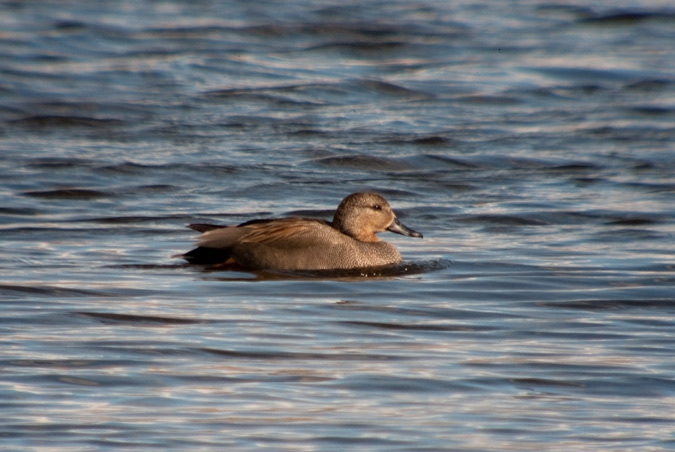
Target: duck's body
[(294, 243)]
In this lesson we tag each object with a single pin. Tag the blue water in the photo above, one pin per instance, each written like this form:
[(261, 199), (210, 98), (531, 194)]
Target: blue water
[(532, 143)]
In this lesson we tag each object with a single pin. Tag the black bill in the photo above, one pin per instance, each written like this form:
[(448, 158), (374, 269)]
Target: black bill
[(400, 228)]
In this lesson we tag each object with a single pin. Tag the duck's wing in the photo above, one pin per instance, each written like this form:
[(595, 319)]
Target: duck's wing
[(221, 238), (289, 231), (261, 232), (217, 243)]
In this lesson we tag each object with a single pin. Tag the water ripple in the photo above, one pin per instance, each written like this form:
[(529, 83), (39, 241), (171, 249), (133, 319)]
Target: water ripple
[(532, 145)]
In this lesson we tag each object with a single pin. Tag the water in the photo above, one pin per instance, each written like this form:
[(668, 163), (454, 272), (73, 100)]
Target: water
[(532, 143)]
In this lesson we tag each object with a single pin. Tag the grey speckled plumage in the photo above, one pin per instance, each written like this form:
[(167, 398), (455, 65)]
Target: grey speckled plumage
[(349, 241)]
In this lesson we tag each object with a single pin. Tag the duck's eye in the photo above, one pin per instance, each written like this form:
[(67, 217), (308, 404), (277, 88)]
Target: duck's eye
[(377, 207)]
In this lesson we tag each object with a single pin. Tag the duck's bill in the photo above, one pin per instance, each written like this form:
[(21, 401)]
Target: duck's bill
[(400, 228)]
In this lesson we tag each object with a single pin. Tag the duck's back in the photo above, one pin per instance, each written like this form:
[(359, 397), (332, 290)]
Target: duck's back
[(303, 244)]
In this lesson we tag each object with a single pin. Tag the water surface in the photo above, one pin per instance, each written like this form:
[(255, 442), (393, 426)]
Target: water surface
[(531, 143)]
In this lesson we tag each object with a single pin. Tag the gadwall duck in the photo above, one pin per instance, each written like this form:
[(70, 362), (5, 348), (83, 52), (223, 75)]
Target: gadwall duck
[(349, 241)]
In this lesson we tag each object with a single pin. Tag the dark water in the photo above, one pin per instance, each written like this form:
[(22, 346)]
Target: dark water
[(533, 143)]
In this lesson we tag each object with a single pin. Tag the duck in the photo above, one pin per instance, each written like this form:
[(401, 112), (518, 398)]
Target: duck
[(349, 241)]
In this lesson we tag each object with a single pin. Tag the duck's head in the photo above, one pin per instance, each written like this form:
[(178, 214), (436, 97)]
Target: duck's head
[(362, 215)]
